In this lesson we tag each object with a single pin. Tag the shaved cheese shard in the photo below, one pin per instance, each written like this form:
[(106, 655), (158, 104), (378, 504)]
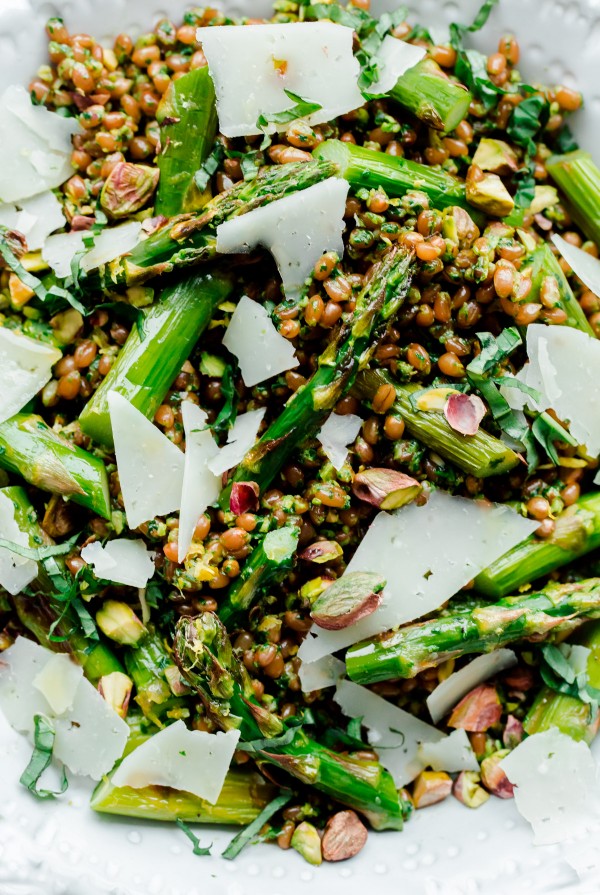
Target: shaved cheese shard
[(452, 753), (35, 218), (35, 146), (556, 782), (564, 366), (394, 58), (150, 466), (583, 265), (297, 230), (59, 250), (252, 67), (201, 486), (325, 672), (16, 572), (261, 351), (450, 692), (438, 547), (395, 734), (25, 367), (337, 432), (191, 760), (240, 439), (90, 736), (123, 560), (58, 682)]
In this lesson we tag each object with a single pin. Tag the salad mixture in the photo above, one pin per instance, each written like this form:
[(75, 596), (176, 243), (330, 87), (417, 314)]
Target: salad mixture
[(300, 426)]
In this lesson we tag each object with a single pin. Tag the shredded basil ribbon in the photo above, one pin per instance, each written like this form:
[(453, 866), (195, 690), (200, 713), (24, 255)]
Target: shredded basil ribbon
[(41, 758), (245, 837), (197, 848)]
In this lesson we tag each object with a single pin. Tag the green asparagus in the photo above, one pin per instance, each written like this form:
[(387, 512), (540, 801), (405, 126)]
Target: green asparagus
[(188, 125), (31, 449), (432, 97), (148, 665), (477, 629), (578, 178), (148, 364), (544, 264), (577, 532), (481, 455), (189, 240), (350, 351), (206, 659)]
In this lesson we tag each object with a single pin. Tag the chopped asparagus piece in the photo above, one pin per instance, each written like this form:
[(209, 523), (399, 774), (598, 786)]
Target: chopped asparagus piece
[(578, 177), (436, 100)]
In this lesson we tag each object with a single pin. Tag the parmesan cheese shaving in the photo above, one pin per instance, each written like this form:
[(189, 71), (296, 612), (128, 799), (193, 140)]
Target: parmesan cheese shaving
[(325, 672), (556, 785), (394, 58), (450, 692), (252, 67), (121, 560), (240, 439), (201, 486), (251, 336), (583, 265), (395, 734), (90, 736), (297, 230), (191, 760), (35, 146), (25, 367), (59, 250), (337, 432), (16, 572), (439, 547), (150, 466), (35, 218), (452, 753)]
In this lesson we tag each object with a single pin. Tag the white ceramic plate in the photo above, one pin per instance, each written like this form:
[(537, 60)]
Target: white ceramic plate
[(63, 848)]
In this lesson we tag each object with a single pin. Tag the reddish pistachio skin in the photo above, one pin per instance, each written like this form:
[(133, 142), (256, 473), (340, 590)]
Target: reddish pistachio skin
[(244, 498), (386, 489), (127, 189), (344, 836), (347, 600), (513, 732), (464, 413), (493, 777), (477, 711), (322, 551)]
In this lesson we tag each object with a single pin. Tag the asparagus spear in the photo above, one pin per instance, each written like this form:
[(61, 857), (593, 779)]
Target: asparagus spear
[(244, 795), (579, 179), (351, 350), (188, 125), (572, 716), (477, 629), (426, 92), (577, 532), (147, 664), (370, 169), (30, 448), (205, 657), (147, 366), (481, 455), (189, 240), (544, 264)]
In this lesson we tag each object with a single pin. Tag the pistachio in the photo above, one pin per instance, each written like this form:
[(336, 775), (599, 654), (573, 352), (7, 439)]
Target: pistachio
[(119, 622), (478, 710), (464, 413), (431, 787), (487, 192), (459, 227), (176, 683), (544, 196), (344, 836), (496, 156), (513, 732), (493, 777), (66, 325), (434, 399), (347, 600), (128, 188), (386, 489), (467, 790), (115, 688), (322, 551), (307, 842), (244, 497)]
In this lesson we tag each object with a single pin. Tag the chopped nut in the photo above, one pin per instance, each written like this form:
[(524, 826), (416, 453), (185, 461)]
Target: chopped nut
[(115, 688), (513, 732), (119, 622), (493, 777), (307, 842), (431, 787), (128, 188), (322, 551), (350, 598), (467, 790), (478, 710), (244, 497), (59, 518), (344, 836), (487, 192), (386, 489), (434, 399), (496, 156)]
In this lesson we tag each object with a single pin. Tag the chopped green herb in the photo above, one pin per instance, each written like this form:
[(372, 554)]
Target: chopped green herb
[(197, 849), (210, 166), (245, 837), (44, 735)]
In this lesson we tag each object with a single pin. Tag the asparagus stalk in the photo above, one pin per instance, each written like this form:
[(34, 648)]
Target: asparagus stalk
[(370, 169), (481, 455), (205, 656), (577, 532), (146, 366), (147, 664), (478, 629), (579, 179), (572, 716), (188, 126), (544, 264), (430, 95), (349, 352), (31, 449), (189, 240), (244, 795)]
